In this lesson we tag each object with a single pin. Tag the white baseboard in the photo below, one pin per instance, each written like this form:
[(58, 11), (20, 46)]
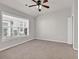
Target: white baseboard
[(10, 46), (76, 49), (53, 40)]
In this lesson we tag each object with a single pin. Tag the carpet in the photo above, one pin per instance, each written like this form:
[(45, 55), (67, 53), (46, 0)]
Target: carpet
[(39, 49)]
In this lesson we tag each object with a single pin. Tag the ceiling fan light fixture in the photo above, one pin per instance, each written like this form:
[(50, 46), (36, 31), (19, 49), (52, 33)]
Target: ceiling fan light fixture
[(39, 7), (39, 4)]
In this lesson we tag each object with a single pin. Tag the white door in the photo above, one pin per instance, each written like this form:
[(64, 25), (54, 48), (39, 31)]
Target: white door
[(70, 30)]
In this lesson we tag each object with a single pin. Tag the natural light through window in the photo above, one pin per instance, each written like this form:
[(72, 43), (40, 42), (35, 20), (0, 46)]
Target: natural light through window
[(14, 27)]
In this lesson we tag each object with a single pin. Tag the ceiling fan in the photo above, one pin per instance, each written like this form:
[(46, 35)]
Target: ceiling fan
[(39, 4)]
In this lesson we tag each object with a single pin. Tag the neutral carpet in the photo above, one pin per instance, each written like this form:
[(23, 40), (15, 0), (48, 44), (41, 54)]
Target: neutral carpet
[(39, 49)]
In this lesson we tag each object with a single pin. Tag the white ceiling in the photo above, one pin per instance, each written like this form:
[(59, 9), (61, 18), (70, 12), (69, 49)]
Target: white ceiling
[(20, 5)]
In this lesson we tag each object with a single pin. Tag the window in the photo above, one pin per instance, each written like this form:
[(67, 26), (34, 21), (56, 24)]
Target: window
[(13, 27)]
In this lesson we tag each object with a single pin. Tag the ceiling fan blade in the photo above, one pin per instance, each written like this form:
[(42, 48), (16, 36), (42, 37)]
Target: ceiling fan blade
[(45, 6), (34, 1), (32, 5), (45, 1)]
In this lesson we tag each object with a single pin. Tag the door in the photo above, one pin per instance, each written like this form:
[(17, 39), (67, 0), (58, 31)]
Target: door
[(70, 30)]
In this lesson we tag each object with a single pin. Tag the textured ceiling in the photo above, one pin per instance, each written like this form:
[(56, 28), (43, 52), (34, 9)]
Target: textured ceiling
[(20, 5)]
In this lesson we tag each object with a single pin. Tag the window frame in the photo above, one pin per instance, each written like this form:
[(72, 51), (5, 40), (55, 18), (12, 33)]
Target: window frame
[(7, 18)]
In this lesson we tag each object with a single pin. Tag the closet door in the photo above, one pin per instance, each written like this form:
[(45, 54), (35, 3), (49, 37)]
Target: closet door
[(70, 30)]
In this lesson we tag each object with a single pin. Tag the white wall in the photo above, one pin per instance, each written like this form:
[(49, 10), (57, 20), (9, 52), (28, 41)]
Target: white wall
[(0, 26), (53, 26), (13, 12), (75, 25)]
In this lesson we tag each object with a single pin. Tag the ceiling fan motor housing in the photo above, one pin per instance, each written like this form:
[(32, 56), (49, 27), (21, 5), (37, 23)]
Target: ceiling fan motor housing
[(38, 2)]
